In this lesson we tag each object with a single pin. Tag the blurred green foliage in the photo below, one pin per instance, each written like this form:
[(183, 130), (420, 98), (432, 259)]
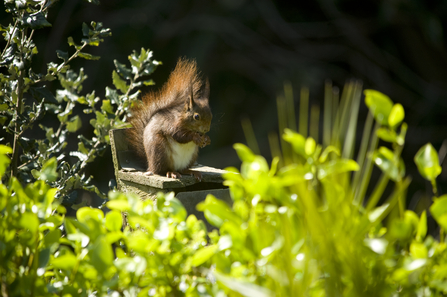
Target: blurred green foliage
[(295, 228)]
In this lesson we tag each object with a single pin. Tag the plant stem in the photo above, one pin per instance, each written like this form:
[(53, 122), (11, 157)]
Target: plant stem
[(15, 145)]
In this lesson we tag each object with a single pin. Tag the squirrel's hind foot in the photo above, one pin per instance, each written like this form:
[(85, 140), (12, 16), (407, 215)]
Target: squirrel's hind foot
[(197, 174), (173, 174), (148, 173)]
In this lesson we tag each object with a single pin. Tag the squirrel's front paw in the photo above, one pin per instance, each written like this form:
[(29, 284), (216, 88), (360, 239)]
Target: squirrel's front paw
[(206, 140), (201, 140)]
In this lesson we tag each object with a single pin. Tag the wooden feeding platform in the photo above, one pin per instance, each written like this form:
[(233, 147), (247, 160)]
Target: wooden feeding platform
[(130, 177)]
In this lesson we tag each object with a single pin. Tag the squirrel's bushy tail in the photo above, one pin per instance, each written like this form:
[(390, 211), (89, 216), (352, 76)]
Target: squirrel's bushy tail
[(173, 92)]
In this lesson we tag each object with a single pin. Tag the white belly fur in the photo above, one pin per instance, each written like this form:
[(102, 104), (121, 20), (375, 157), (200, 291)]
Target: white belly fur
[(182, 153)]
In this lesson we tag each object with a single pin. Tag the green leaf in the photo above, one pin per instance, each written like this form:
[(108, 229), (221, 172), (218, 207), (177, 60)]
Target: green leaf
[(66, 262), (422, 227), (119, 83), (85, 213), (297, 141), (396, 116), (385, 160), (62, 55), (202, 255), (74, 124), (29, 221), (48, 172), (101, 254), (120, 205), (4, 160), (337, 166), (427, 162), (123, 70), (107, 107), (387, 135), (418, 250), (88, 56), (379, 104), (114, 221), (309, 146), (217, 211), (242, 287), (35, 21), (439, 211), (244, 153)]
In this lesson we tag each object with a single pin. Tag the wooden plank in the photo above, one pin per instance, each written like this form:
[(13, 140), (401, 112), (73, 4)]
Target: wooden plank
[(209, 175)]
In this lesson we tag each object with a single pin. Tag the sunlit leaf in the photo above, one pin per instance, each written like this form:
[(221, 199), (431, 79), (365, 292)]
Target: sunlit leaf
[(397, 115), (48, 172), (114, 220), (379, 104), (336, 167), (439, 211), (74, 124), (427, 162), (418, 250), (203, 255), (119, 83), (66, 261), (244, 153), (242, 287), (85, 213), (101, 254), (422, 227)]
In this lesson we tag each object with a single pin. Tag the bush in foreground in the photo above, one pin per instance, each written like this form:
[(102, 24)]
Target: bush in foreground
[(293, 230)]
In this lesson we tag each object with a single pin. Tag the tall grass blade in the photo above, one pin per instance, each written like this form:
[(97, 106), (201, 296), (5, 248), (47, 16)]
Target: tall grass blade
[(288, 95), (304, 111), (314, 121), (250, 135), (351, 120), (282, 124), (327, 116)]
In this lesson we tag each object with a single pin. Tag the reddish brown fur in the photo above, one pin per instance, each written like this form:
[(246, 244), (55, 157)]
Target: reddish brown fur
[(169, 114)]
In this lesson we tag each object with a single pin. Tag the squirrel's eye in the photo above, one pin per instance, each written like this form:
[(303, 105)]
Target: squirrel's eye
[(196, 117)]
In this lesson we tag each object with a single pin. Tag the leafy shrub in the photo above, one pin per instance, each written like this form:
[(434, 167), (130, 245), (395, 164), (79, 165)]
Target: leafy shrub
[(26, 101), (310, 224), (95, 257), (293, 230)]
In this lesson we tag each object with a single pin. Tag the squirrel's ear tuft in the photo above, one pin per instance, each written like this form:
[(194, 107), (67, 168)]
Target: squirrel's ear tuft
[(190, 98), (206, 91)]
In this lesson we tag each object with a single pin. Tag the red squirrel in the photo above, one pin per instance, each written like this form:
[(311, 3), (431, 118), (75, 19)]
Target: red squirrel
[(169, 126)]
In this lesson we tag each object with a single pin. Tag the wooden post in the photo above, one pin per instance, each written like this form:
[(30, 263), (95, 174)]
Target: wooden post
[(130, 177)]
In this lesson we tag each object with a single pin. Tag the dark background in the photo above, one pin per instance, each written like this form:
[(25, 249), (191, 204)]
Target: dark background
[(249, 48)]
